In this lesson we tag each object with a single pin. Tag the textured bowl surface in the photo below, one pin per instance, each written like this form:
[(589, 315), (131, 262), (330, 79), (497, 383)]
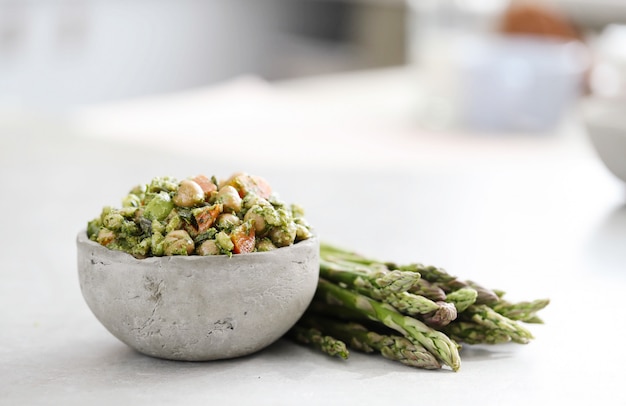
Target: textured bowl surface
[(198, 308)]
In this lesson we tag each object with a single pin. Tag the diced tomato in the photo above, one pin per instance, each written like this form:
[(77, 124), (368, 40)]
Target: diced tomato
[(243, 238), (206, 216)]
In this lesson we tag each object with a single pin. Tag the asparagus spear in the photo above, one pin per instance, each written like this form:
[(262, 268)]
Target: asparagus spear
[(533, 320), (485, 295), (430, 273), (327, 249), (435, 319), (314, 338), (523, 311), (462, 298), (393, 347), (387, 287), (417, 332), (429, 290), (449, 283), (474, 333), (362, 276), (445, 314), (487, 317), (415, 305)]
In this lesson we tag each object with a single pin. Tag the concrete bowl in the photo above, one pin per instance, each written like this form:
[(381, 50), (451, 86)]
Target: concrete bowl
[(198, 308)]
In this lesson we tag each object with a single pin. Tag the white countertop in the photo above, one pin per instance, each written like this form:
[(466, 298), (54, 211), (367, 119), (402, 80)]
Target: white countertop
[(535, 215)]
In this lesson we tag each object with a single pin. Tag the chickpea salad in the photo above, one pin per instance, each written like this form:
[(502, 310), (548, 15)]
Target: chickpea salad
[(200, 216)]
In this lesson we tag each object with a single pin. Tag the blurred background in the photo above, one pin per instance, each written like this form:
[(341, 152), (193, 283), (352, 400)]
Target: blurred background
[(55, 54), (60, 53), (450, 132)]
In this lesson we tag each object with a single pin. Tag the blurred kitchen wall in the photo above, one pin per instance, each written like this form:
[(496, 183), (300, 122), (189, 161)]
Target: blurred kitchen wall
[(63, 52), (59, 53)]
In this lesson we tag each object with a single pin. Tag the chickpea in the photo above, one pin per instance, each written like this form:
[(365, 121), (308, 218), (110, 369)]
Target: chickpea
[(297, 211), (274, 217), (178, 242), (165, 184), (255, 214), (113, 221), (229, 197), (130, 228), (265, 245), (252, 199), (283, 236), (302, 232), (128, 212), (227, 220), (209, 247), (131, 200), (189, 194)]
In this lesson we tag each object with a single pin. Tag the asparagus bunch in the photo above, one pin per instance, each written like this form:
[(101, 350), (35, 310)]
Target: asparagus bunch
[(414, 314)]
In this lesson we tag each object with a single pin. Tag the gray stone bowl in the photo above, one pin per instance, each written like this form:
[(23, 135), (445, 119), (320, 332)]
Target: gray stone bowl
[(198, 308)]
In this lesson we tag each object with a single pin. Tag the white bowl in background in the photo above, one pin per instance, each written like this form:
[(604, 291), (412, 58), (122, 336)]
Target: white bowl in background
[(605, 121), (519, 83)]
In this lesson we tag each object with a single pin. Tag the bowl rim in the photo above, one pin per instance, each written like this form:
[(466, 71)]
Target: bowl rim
[(604, 113), (82, 239)]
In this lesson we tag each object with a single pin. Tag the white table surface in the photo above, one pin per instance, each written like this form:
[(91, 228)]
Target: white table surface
[(535, 215)]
